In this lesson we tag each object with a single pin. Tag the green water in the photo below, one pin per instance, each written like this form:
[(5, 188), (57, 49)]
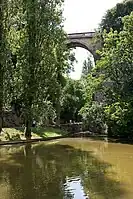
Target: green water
[(67, 169)]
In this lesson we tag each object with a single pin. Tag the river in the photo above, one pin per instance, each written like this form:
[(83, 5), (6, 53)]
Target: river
[(68, 168)]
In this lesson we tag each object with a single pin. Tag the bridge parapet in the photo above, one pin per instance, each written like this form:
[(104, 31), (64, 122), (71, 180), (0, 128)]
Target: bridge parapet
[(81, 35)]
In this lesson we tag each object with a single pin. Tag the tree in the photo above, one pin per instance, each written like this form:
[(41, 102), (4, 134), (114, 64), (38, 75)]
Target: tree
[(112, 20), (72, 100), (117, 68), (87, 66), (113, 17), (37, 39), (60, 80), (92, 112), (53, 59), (112, 78), (5, 60), (1, 64)]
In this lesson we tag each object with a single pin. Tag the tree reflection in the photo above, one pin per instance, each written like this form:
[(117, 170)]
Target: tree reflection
[(40, 172)]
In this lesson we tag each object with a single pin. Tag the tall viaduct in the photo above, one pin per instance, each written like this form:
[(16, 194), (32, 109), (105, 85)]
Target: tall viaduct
[(83, 40)]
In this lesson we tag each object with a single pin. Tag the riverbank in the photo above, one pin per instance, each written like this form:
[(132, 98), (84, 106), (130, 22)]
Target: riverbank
[(16, 135), (11, 136)]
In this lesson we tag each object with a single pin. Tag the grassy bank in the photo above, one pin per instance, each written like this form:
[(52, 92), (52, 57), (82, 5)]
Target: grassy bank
[(10, 134)]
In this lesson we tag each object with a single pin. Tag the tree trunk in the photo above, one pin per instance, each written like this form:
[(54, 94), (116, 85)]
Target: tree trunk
[(1, 66), (1, 102), (1, 123), (31, 89), (28, 129), (58, 110)]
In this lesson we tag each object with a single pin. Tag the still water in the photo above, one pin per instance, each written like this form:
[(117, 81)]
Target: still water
[(67, 169)]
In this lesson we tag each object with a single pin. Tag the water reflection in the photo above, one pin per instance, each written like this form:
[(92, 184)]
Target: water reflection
[(68, 169), (74, 189)]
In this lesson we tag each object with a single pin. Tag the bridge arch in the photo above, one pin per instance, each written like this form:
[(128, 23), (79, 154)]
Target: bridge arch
[(81, 45), (83, 40)]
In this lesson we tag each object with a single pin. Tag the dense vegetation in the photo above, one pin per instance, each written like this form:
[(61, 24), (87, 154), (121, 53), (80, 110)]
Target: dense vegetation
[(35, 65), (109, 90), (33, 59), (113, 17)]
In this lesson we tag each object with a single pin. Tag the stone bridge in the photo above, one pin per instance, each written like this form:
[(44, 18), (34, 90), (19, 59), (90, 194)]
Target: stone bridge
[(84, 40)]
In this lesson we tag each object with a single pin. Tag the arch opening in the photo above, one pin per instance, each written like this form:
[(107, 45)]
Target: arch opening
[(81, 54), (79, 45)]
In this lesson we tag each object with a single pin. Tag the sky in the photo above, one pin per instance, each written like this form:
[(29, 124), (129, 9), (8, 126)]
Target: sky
[(84, 16)]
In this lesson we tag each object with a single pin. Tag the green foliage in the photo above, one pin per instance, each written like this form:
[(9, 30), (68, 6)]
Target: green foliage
[(113, 79), (119, 119), (93, 110), (93, 117), (116, 68), (87, 66), (5, 60), (112, 20), (120, 73), (116, 62), (71, 100), (34, 49), (14, 134), (34, 67), (113, 17)]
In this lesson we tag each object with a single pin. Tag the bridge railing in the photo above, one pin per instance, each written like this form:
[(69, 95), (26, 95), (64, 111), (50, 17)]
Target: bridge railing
[(81, 35)]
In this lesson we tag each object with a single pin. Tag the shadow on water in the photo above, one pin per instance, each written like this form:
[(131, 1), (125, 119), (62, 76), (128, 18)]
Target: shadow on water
[(48, 171), (111, 140)]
